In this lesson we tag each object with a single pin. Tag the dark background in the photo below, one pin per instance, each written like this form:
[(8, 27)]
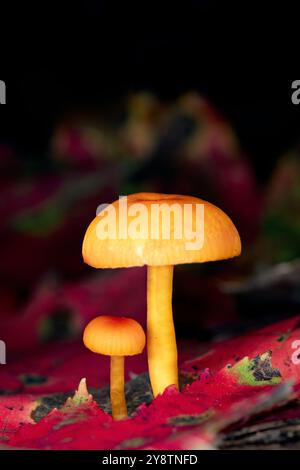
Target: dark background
[(56, 59), (259, 109)]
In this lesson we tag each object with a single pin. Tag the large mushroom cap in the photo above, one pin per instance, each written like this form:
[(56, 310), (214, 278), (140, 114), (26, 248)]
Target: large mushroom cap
[(221, 239), (114, 336)]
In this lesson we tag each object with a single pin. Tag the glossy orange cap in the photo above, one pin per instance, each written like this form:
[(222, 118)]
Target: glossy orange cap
[(220, 237), (114, 336)]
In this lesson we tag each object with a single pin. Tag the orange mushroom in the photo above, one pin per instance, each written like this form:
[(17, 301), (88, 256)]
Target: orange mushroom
[(116, 337), (160, 253)]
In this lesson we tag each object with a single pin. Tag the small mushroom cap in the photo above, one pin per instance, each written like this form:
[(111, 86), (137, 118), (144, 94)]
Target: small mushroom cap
[(221, 238), (114, 336)]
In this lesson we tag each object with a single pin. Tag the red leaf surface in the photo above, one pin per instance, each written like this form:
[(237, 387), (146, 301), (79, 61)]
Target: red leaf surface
[(236, 379), (277, 338), (15, 411)]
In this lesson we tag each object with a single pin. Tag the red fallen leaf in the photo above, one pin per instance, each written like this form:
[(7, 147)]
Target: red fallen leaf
[(218, 392), (208, 400), (66, 429), (61, 426), (204, 432), (278, 339), (215, 395), (15, 411)]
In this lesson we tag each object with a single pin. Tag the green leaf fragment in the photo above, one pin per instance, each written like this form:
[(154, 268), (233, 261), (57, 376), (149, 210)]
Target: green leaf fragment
[(257, 371)]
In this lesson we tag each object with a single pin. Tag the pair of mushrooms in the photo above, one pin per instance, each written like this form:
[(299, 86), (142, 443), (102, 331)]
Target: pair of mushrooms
[(221, 241)]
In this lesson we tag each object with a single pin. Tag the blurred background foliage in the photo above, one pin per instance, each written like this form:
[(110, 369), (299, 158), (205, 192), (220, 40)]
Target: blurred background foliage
[(123, 107), (141, 142)]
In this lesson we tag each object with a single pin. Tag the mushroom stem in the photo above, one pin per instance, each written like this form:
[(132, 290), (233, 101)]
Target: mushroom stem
[(117, 395), (161, 339)]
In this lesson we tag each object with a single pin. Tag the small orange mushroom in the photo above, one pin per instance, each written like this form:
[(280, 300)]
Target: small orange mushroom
[(116, 337), (152, 248)]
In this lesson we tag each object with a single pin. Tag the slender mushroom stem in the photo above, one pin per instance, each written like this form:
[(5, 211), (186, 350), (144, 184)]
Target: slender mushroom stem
[(117, 395), (161, 339)]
